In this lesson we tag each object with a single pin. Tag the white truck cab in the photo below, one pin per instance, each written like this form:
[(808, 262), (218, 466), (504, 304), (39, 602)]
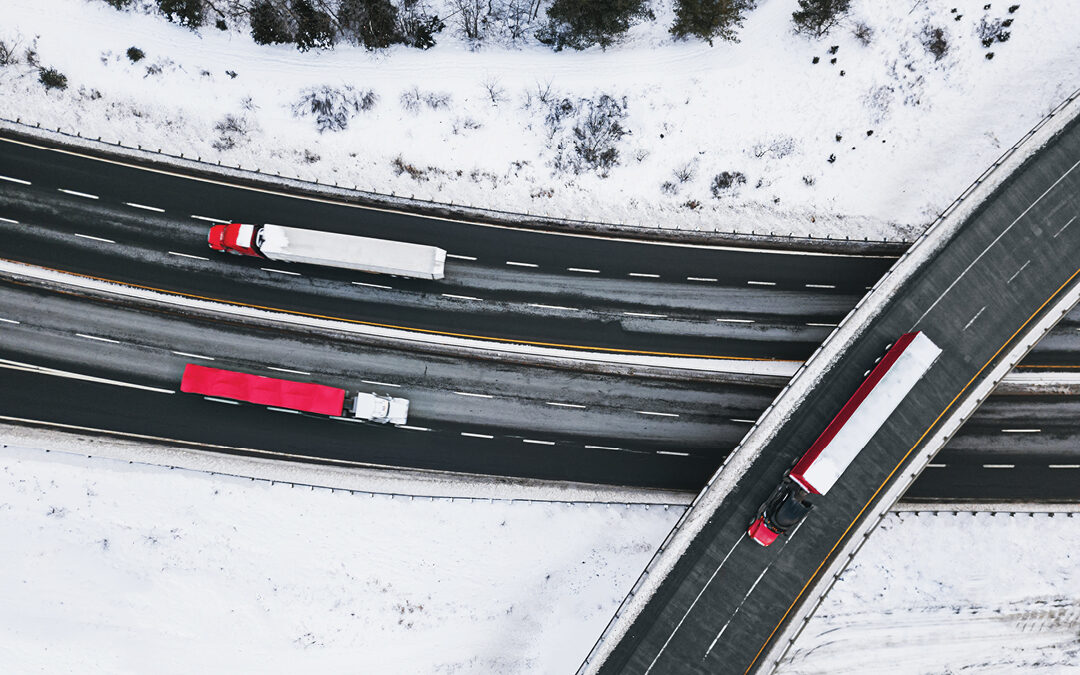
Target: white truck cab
[(381, 409)]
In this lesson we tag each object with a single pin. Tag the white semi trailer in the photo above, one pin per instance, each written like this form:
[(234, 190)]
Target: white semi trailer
[(296, 245)]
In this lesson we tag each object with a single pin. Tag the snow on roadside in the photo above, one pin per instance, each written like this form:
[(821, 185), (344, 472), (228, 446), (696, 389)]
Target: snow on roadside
[(760, 107), (112, 567), (943, 593)]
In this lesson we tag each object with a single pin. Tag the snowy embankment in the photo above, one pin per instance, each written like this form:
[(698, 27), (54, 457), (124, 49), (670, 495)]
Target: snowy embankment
[(872, 140), (129, 568), (118, 568), (942, 593)]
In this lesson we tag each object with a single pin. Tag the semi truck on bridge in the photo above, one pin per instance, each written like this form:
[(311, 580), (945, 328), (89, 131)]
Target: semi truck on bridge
[(885, 386), (274, 392), (347, 251)]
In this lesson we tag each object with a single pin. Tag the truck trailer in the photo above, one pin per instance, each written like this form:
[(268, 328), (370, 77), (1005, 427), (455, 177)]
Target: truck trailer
[(275, 392), (347, 251), (885, 386)]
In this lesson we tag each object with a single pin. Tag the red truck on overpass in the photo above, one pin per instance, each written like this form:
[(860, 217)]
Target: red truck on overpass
[(291, 395), (890, 381)]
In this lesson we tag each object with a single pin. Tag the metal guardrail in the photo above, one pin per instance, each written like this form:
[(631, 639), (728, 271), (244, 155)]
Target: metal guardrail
[(352, 491), (802, 368), (771, 239)]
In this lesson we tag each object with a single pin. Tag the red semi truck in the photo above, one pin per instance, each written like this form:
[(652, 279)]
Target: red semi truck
[(291, 395), (890, 381), (347, 251)]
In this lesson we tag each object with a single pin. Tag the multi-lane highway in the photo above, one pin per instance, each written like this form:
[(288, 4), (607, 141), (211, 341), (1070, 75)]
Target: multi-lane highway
[(725, 599), (467, 415), (143, 227)]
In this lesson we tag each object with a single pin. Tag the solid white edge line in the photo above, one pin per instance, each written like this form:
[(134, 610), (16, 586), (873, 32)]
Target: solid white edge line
[(379, 384), (76, 193), (144, 207), (20, 181), (188, 255), (194, 356), (99, 339), (90, 236), (42, 370), (472, 435)]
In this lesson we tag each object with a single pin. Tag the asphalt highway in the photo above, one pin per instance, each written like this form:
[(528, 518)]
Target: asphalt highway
[(469, 416), (466, 415), (727, 598), (109, 220)]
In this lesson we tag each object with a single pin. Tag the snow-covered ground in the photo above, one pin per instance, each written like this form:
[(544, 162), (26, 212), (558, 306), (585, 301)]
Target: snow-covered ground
[(941, 593), (117, 567), (109, 567), (759, 107)]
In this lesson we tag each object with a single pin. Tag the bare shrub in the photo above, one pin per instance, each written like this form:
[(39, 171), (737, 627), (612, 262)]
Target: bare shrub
[(933, 38), (685, 173), (863, 33), (52, 78), (332, 107), (494, 90), (9, 52), (437, 99), (725, 182), (232, 130)]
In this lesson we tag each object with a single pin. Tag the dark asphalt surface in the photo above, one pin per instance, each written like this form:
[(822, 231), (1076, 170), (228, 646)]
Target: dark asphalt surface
[(543, 423), (582, 291), (727, 597)]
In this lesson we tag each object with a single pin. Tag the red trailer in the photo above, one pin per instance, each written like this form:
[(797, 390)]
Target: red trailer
[(890, 381), (313, 398)]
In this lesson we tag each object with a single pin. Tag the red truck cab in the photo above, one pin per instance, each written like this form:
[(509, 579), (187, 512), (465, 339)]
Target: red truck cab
[(234, 238)]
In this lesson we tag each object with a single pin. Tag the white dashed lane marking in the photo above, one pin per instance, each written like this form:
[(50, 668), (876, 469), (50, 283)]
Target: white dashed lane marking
[(362, 283), (188, 255), (271, 269), (20, 181), (521, 264), (99, 339), (472, 435), (144, 207), (75, 193), (288, 370), (583, 270), (90, 236)]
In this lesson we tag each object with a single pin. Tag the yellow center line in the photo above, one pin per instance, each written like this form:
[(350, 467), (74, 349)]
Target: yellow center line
[(897, 468), (427, 331)]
